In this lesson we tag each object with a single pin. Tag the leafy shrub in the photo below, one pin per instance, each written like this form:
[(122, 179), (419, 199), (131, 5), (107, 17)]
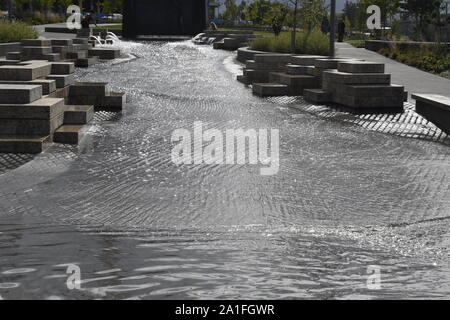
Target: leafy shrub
[(38, 17), (15, 31), (431, 58), (313, 42)]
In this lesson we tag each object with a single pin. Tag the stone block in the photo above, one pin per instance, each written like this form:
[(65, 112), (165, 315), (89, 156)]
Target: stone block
[(13, 56), (317, 96), (114, 100), (34, 51), (48, 86), (272, 58), (77, 55), (88, 89), (69, 134), (19, 93), (361, 67), (80, 41), (62, 68), (23, 144), (373, 90), (104, 53), (31, 127), (78, 115), (62, 80), (294, 69), (35, 43), (86, 62), (42, 109), (305, 60), (61, 42), (269, 89), (356, 78), (27, 70), (435, 108)]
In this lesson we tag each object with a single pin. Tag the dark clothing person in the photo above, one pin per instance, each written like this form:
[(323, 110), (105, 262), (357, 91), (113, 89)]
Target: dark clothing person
[(87, 20), (325, 27), (341, 31)]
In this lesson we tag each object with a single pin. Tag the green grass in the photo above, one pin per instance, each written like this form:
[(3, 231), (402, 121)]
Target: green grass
[(113, 27), (313, 42), (16, 31), (357, 43)]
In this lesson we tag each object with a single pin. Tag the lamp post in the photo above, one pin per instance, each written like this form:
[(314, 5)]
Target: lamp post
[(331, 51)]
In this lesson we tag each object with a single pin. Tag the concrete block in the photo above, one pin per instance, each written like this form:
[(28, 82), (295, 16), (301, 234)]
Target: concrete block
[(88, 89), (104, 53), (361, 67), (373, 90), (77, 55), (272, 58), (434, 108), (33, 51), (69, 134), (27, 70), (305, 60), (369, 102), (256, 76), (23, 144), (86, 62), (62, 80), (243, 79), (356, 78), (42, 109), (61, 42), (31, 127), (48, 86), (13, 56), (114, 100), (20, 94), (317, 96), (78, 115), (35, 43), (294, 69), (63, 68), (269, 89), (80, 41)]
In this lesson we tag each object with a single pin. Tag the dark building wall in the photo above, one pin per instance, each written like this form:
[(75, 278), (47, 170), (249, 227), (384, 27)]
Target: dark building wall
[(163, 17)]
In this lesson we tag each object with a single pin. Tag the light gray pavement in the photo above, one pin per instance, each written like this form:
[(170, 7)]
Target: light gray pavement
[(414, 80)]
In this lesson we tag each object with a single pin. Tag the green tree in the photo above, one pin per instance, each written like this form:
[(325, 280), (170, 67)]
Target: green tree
[(231, 10), (422, 11), (257, 11)]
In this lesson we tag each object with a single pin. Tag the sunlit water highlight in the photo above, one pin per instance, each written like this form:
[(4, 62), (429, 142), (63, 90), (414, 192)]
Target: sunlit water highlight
[(139, 227)]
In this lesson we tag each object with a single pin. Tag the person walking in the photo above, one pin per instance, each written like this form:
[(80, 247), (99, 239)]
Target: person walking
[(341, 30), (325, 26)]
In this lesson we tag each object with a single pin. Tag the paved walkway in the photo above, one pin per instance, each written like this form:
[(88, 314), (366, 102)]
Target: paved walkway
[(414, 80)]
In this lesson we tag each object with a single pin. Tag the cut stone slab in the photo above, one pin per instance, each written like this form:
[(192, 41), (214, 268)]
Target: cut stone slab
[(77, 55), (13, 56), (32, 51), (23, 144), (61, 42), (294, 69), (69, 134), (305, 60), (63, 68), (269, 89), (35, 43), (114, 101), (78, 115), (88, 89), (104, 53), (243, 79), (435, 108), (374, 90), (26, 70), (31, 127), (62, 80), (80, 41), (19, 94), (317, 95), (86, 62), (356, 78), (42, 109), (48, 86), (361, 67)]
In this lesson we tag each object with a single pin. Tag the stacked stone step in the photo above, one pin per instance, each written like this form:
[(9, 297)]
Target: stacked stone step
[(96, 94), (360, 87), (258, 70), (38, 49), (27, 119), (233, 42)]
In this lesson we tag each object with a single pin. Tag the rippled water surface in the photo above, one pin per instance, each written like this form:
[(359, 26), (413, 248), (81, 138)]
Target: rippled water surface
[(139, 227)]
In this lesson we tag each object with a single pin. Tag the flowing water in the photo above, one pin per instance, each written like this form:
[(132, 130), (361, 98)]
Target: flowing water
[(346, 199)]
